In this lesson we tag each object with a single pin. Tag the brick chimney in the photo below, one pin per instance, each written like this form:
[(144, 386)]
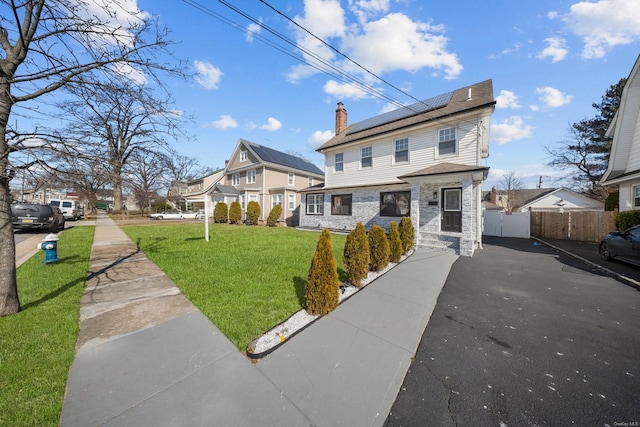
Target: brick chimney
[(341, 118), (494, 195)]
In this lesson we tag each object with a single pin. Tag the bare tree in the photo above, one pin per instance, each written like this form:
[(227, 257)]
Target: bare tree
[(145, 174), (511, 185), (46, 45)]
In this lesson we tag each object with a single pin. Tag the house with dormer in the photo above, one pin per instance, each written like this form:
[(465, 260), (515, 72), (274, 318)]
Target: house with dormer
[(268, 176), (423, 161), (623, 168)]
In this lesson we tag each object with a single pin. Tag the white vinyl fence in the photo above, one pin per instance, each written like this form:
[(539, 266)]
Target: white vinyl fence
[(502, 225)]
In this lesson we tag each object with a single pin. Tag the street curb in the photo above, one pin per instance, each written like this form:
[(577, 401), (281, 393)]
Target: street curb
[(619, 277)]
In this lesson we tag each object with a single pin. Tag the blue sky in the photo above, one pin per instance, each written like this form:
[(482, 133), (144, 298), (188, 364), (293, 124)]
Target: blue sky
[(549, 61)]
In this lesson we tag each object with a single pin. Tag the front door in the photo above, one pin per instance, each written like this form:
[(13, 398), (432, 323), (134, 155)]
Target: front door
[(452, 209)]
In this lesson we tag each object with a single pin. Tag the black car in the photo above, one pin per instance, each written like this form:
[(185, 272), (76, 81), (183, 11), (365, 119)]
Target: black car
[(622, 245), (31, 216)]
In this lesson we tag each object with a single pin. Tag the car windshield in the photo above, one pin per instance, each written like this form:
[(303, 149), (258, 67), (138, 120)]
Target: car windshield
[(26, 209)]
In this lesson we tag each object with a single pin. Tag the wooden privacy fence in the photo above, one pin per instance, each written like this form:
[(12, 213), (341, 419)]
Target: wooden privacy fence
[(588, 226)]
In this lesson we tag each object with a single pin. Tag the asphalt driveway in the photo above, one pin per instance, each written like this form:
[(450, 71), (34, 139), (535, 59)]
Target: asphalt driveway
[(525, 335)]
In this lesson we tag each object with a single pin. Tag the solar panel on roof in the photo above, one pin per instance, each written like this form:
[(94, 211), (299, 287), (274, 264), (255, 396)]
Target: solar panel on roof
[(274, 156), (404, 112)]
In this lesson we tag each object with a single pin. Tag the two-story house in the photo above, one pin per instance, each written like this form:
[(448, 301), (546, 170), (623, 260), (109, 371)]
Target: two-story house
[(423, 161), (270, 177), (624, 160)]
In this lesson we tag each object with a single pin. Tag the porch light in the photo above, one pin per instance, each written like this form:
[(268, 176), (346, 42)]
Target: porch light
[(435, 195)]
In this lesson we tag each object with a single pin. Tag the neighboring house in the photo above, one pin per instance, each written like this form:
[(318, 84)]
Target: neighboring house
[(539, 199), (423, 161), (198, 189), (269, 177), (624, 160)]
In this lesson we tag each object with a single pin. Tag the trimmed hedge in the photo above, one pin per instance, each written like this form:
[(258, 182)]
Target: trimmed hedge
[(378, 248), (355, 256), (272, 219), (627, 219), (235, 213), (221, 213), (253, 212), (395, 244), (321, 292), (407, 234)]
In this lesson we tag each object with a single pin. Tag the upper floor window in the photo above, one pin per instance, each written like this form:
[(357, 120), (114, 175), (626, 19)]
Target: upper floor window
[(636, 197), (251, 176), (310, 181), (366, 160), (401, 152), (339, 162), (243, 156), (235, 179), (292, 201), (292, 178), (447, 141)]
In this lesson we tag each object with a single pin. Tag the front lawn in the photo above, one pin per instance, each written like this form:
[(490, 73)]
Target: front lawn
[(245, 279), (37, 345)]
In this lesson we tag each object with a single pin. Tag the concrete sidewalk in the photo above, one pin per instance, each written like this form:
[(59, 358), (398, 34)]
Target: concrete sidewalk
[(147, 357)]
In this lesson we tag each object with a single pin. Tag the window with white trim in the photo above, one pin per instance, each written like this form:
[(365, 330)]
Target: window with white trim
[(243, 156), (315, 204), (338, 164), (241, 201), (251, 176), (292, 201), (447, 141), (401, 151), (366, 161), (235, 179), (292, 178), (636, 197), (310, 181), (276, 199)]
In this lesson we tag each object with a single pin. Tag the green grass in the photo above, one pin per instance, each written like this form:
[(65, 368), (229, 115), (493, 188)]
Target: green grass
[(37, 345), (245, 279)]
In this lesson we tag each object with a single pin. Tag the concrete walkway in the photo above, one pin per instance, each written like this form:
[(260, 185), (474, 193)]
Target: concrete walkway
[(147, 357)]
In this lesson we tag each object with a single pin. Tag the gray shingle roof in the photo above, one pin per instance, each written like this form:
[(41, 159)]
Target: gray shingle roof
[(270, 155), (431, 109), (445, 168)]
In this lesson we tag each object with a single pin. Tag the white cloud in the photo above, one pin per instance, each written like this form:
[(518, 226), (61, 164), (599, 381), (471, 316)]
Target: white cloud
[(225, 122), (507, 99), (207, 75), (365, 9), (604, 24), (395, 42), (252, 30), (319, 137), (344, 90), (552, 97), (272, 125), (510, 129), (556, 49)]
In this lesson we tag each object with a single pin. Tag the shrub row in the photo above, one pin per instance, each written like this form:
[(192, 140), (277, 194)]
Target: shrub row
[(627, 219), (361, 253), (233, 214)]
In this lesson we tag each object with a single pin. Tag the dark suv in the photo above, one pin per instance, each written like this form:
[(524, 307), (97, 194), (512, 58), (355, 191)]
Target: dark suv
[(29, 216)]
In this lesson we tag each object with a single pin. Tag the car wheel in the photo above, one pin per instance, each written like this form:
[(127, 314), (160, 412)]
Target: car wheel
[(605, 252), (159, 217)]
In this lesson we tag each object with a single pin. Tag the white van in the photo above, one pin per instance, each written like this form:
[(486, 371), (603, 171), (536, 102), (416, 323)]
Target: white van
[(70, 208)]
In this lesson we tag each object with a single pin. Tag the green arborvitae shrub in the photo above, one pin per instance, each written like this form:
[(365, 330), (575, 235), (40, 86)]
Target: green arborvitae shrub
[(378, 248), (221, 213), (272, 219), (235, 213), (321, 291), (612, 202), (395, 244), (253, 212), (407, 234), (355, 256), (627, 219)]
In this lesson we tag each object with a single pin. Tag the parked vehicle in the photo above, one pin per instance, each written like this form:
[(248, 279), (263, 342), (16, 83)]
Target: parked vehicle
[(622, 245), (173, 215), (70, 208), (29, 216)]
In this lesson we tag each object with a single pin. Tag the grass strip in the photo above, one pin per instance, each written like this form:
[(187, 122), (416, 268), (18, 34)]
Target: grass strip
[(245, 279), (37, 345)]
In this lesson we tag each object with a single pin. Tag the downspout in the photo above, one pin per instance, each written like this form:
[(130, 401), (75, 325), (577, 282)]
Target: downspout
[(264, 192), (479, 189)]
